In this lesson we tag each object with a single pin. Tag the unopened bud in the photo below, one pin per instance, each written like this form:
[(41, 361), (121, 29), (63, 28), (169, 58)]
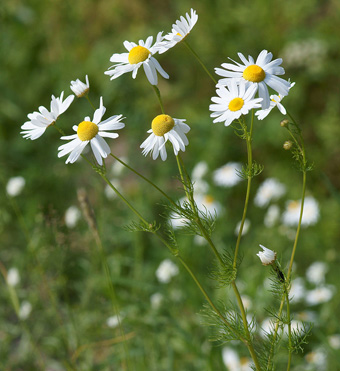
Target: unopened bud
[(267, 256), (287, 145), (284, 123)]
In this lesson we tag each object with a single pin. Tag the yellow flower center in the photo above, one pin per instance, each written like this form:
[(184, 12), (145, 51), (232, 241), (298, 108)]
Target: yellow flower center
[(293, 205), (178, 34), (87, 130), (254, 73), (236, 104), (138, 54), (162, 124), (209, 199)]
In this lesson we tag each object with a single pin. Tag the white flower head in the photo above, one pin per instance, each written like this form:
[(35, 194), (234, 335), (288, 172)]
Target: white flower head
[(272, 216), (25, 310), (246, 226), (91, 132), (321, 294), (233, 101), (275, 101), (207, 204), (233, 362), (156, 300), (199, 170), (262, 73), (79, 88), (316, 273), (15, 185), (13, 277), (72, 216), (228, 174), (271, 189), (164, 128), (334, 341), (166, 270), (267, 256), (40, 121), (179, 32), (114, 321), (138, 55), (298, 290), (310, 215)]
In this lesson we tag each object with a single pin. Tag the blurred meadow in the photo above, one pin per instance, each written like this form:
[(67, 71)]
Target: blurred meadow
[(57, 313)]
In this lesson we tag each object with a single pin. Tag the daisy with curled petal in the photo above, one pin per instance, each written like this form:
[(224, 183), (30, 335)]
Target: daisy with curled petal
[(91, 132), (40, 121), (179, 32), (261, 73), (141, 54), (164, 128), (232, 102), (79, 88), (275, 101)]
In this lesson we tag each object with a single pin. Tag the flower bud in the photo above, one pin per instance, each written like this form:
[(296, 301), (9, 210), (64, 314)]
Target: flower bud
[(284, 123), (267, 256), (287, 145)]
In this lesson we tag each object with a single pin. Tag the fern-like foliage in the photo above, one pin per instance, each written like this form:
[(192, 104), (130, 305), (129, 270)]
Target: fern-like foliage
[(224, 274)]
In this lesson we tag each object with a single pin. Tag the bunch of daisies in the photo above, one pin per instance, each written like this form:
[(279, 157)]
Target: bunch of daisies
[(240, 84)]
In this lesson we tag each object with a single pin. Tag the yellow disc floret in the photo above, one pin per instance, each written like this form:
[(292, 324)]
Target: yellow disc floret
[(162, 124), (138, 54), (87, 130), (236, 104), (254, 73)]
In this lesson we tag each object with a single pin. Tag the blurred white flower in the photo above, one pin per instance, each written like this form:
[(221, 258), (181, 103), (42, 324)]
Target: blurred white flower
[(310, 215), (233, 362), (307, 316), (247, 303), (227, 175), (25, 310), (113, 321), (320, 295), (208, 203), (272, 216), (79, 88), (13, 277), (156, 300), (334, 341), (200, 187), (245, 229), (298, 290), (15, 186), (72, 216), (271, 189), (199, 171), (317, 358), (117, 168), (199, 240), (267, 326), (109, 192), (316, 272), (267, 256), (166, 270)]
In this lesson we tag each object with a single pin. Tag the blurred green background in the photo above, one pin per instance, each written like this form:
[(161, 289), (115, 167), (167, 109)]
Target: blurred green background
[(46, 44)]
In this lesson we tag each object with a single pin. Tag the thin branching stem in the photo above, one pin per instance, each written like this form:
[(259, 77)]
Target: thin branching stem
[(304, 176), (290, 348), (250, 166), (200, 61), (89, 100), (158, 93)]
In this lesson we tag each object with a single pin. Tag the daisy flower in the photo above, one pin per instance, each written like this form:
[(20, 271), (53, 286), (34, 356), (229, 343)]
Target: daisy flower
[(91, 132), (164, 128), (179, 32), (270, 189), (40, 121), (228, 174), (260, 74), (267, 256), (275, 101), (232, 102), (310, 215), (141, 54), (79, 88)]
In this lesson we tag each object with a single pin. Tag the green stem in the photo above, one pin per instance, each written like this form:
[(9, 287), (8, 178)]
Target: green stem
[(146, 179), (290, 349), (194, 208), (250, 166), (158, 93), (89, 100), (200, 61)]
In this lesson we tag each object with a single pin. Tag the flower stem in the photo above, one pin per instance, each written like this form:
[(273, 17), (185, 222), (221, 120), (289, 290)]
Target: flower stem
[(200, 61), (89, 100), (250, 166), (302, 149), (290, 349), (158, 93)]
